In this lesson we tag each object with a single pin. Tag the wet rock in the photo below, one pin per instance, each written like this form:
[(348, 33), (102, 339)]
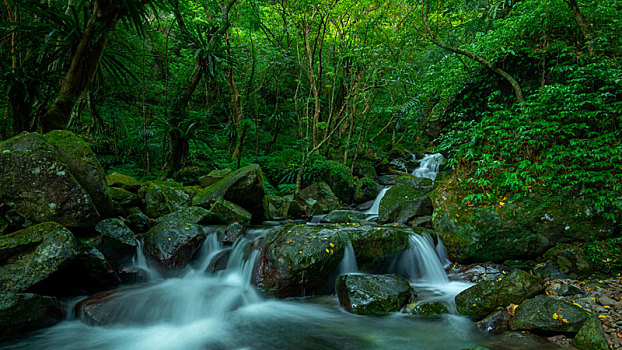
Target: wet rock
[(32, 255), (372, 294), (402, 203), (484, 297), (428, 309), (227, 212), (544, 313), (173, 244), (125, 182), (420, 184), (132, 274), (244, 187), (98, 310), (138, 222), (36, 183), (344, 216), (480, 272), (219, 261), (192, 215), (318, 199), (21, 313), (233, 232), (496, 323), (213, 177), (118, 242), (84, 166), (162, 199), (591, 336), (291, 209), (388, 180)]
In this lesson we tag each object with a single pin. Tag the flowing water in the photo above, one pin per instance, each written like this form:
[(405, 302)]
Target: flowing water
[(223, 310), (429, 166), (373, 211), (348, 263)]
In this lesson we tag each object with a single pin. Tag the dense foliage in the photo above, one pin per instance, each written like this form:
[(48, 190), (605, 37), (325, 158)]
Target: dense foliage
[(307, 88)]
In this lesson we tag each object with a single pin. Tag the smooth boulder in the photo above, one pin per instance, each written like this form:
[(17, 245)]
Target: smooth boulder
[(123, 181), (547, 314), (318, 199), (372, 294), (484, 297), (402, 203), (37, 183)]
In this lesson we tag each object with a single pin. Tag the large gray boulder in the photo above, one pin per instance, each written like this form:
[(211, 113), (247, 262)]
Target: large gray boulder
[(244, 187), (402, 203), (318, 199), (373, 294), (118, 242), (547, 314), (37, 183)]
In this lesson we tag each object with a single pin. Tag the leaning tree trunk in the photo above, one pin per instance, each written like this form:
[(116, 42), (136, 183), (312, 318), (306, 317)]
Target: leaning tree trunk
[(518, 92), (83, 64)]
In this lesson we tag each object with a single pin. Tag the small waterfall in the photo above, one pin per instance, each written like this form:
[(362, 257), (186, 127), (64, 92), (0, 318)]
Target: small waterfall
[(348, 263), (422, 262), (376, 206), (140, 261), (210, 248), (429, 166)]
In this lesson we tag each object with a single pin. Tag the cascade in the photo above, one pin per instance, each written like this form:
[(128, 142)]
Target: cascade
[(376, 206), (348, 263), (429, 166)]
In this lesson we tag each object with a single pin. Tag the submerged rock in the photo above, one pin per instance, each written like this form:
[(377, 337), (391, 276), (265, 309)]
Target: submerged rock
[(173, 244), (21, 313), (547, 314), (37, 183), (372, 294), (428, 309), (244, 187), (484, 297)]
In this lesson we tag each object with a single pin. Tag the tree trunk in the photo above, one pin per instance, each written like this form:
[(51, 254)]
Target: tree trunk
[(83, 64), (587, 35)]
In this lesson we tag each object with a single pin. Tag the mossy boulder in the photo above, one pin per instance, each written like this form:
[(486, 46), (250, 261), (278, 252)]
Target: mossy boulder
[(344, 216), (290, 209), (298, 259), (318, 199), (192, 215), (124, 197), (402, 203), (591, 336), (399, 152), (21, 313), (422, 185), (365, 190), (565, 261), (118, 242), (173, 244), (484, 297), (226, 212), (547, 314), (519, 229), (372, 294), (244, 187), (30, 256), (162, 199), (138, 222), (365, 170), (37, 183), (84, 166), (428, 308), (126, 182), (214, 176)]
